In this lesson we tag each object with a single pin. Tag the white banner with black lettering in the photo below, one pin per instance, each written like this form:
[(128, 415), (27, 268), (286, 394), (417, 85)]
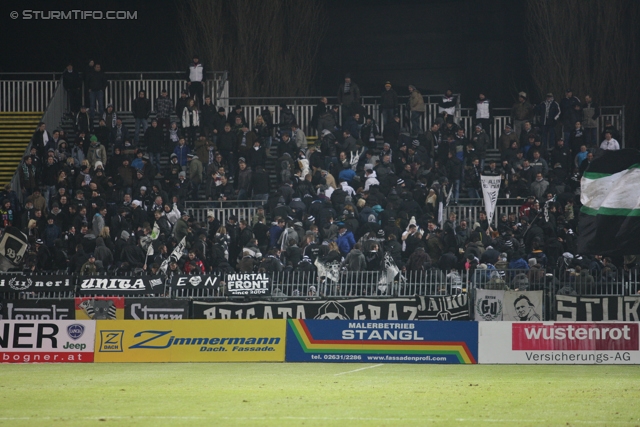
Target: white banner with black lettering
[(489, 305), (522, 306), (597, 309), (490, 190)]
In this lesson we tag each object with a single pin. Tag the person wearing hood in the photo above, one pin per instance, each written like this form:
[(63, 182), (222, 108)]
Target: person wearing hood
[(103, 254), (132, 255), (346, 241), (371, 179), (355, 259)]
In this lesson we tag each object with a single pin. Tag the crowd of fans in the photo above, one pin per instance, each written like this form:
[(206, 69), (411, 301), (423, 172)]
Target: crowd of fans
[(91, 202)]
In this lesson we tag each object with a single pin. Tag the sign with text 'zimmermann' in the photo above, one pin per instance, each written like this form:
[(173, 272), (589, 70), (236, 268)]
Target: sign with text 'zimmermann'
[(559, 343), (46, 341), (381, 341), (248, 284), (190, 341)]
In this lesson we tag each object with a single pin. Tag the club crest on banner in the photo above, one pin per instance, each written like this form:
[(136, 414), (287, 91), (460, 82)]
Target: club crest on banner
[(20, 285), (75, 331), (489, 307)]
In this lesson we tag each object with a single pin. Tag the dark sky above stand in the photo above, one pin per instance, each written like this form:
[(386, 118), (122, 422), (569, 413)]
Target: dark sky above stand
[(465, 45)]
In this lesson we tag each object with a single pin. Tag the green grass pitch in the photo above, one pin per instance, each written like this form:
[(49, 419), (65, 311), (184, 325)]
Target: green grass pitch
[(273, 394)]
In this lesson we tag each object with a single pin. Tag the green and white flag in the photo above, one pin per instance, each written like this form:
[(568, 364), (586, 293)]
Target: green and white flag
[(610, 196)]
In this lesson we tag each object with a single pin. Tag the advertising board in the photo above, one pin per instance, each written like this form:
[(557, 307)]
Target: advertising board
[(559, 343), (46, 341), (381, 341), (190, 341)]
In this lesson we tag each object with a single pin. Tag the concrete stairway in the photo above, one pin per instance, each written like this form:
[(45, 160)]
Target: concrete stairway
[(16, 130)]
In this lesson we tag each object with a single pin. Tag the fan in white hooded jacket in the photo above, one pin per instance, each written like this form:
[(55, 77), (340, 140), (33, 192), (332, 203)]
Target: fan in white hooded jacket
[(347, 188)]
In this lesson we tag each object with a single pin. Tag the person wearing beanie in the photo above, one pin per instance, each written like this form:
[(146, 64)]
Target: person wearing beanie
[(521, 112), (97, 152), (388, 103)]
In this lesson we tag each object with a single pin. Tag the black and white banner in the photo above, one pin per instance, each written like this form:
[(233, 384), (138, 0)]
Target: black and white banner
[(422, 308), (523, 306), (17, 283), (13, 246), (195, 282), (597, 309), (248, 284), (513, 306), (490, 190), (489, 305), (130, 285), (41, 309), (155, 309)]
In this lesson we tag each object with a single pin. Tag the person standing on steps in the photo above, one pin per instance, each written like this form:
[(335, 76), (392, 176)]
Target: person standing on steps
[(141, 108), (196, 76)]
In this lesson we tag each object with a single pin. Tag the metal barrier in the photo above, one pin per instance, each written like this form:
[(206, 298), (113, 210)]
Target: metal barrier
[(26, 95), (54, 110), (502, 116), (304, 110), (18, 93), (471, 212), (222, 214)]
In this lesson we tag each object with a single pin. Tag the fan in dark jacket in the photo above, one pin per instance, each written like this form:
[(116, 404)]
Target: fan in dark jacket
[(141, 108)]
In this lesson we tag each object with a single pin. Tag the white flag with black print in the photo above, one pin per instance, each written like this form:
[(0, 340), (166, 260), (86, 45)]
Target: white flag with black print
[(13, 246), (490, 190)]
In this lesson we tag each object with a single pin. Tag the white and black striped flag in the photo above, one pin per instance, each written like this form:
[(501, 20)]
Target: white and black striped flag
[(13, 246), (610, 214)]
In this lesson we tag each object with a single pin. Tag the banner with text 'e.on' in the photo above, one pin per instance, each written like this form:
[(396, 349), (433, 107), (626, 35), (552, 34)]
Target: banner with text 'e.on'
[(381, 341), (562, 343), (190, 341), (46, 341)]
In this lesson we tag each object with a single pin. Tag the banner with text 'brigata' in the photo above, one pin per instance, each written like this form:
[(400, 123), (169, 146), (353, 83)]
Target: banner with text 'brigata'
[(381, 341)]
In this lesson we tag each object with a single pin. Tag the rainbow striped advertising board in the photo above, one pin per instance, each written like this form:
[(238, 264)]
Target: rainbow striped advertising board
[(381, 341)]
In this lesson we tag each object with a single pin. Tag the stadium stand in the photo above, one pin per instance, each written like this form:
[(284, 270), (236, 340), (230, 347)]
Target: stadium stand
[(334, 192)]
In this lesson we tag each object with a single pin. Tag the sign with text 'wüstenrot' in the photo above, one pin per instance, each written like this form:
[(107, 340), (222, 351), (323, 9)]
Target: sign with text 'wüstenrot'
[(381, 341), (559, 343), (190, 341), (46, 341)]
